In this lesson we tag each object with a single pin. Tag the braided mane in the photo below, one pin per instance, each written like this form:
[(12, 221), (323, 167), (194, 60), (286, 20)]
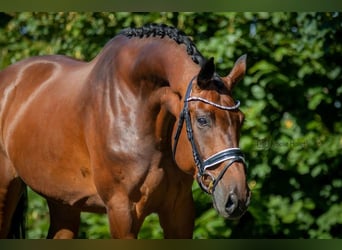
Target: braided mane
[(163, 30)]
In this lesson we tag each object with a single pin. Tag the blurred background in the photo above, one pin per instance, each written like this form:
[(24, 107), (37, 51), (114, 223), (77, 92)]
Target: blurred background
[(291, 96)]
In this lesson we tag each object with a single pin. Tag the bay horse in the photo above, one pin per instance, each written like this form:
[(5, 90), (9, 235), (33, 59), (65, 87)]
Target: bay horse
[(124, 134)]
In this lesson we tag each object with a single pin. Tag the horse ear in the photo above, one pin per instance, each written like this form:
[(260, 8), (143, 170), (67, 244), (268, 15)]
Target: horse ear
[(237, 72), (206, 73)]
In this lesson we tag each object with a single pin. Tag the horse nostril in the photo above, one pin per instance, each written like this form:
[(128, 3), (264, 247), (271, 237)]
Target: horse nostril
[(232, 203)]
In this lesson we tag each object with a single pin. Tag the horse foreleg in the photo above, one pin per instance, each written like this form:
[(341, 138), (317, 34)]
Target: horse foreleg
[(64, 221), (120, 213), (177, 216), (9, 199), (11, 190)]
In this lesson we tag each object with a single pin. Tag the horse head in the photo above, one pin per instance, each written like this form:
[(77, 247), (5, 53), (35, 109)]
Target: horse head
[(210, 138)]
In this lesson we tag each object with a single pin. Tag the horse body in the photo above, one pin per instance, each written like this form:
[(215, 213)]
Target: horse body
[(96, 137)]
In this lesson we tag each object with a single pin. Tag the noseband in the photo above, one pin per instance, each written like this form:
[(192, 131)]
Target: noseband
[(230, 154)]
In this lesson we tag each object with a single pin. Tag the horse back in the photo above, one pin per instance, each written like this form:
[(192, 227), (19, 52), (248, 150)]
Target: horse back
[(38, 86)]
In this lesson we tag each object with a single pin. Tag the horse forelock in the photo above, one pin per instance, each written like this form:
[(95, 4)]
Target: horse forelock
[(162, 30)]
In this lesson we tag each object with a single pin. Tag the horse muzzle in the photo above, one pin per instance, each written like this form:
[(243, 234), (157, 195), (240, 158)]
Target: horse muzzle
[(230, 192)]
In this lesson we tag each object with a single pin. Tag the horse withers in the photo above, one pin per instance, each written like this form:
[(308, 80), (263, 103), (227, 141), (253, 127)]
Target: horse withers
[(124, 134)]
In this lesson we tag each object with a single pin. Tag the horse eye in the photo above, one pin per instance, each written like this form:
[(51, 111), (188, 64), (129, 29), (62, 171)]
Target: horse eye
[(203, 121)]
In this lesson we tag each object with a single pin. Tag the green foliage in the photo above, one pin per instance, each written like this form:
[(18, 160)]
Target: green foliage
[(37, 216), (291, 97)]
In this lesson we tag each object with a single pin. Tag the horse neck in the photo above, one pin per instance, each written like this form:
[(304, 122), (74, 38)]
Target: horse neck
[(137, 76), (140, 61), (162, 62)]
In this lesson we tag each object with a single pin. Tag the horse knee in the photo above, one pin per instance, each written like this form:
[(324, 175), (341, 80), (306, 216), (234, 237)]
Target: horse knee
[(64, 234)]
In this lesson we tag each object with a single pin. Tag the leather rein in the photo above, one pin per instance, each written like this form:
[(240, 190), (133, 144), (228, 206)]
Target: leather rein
[(230, 154)]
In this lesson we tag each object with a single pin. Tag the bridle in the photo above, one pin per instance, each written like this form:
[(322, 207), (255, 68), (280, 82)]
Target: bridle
[(230, 154)]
